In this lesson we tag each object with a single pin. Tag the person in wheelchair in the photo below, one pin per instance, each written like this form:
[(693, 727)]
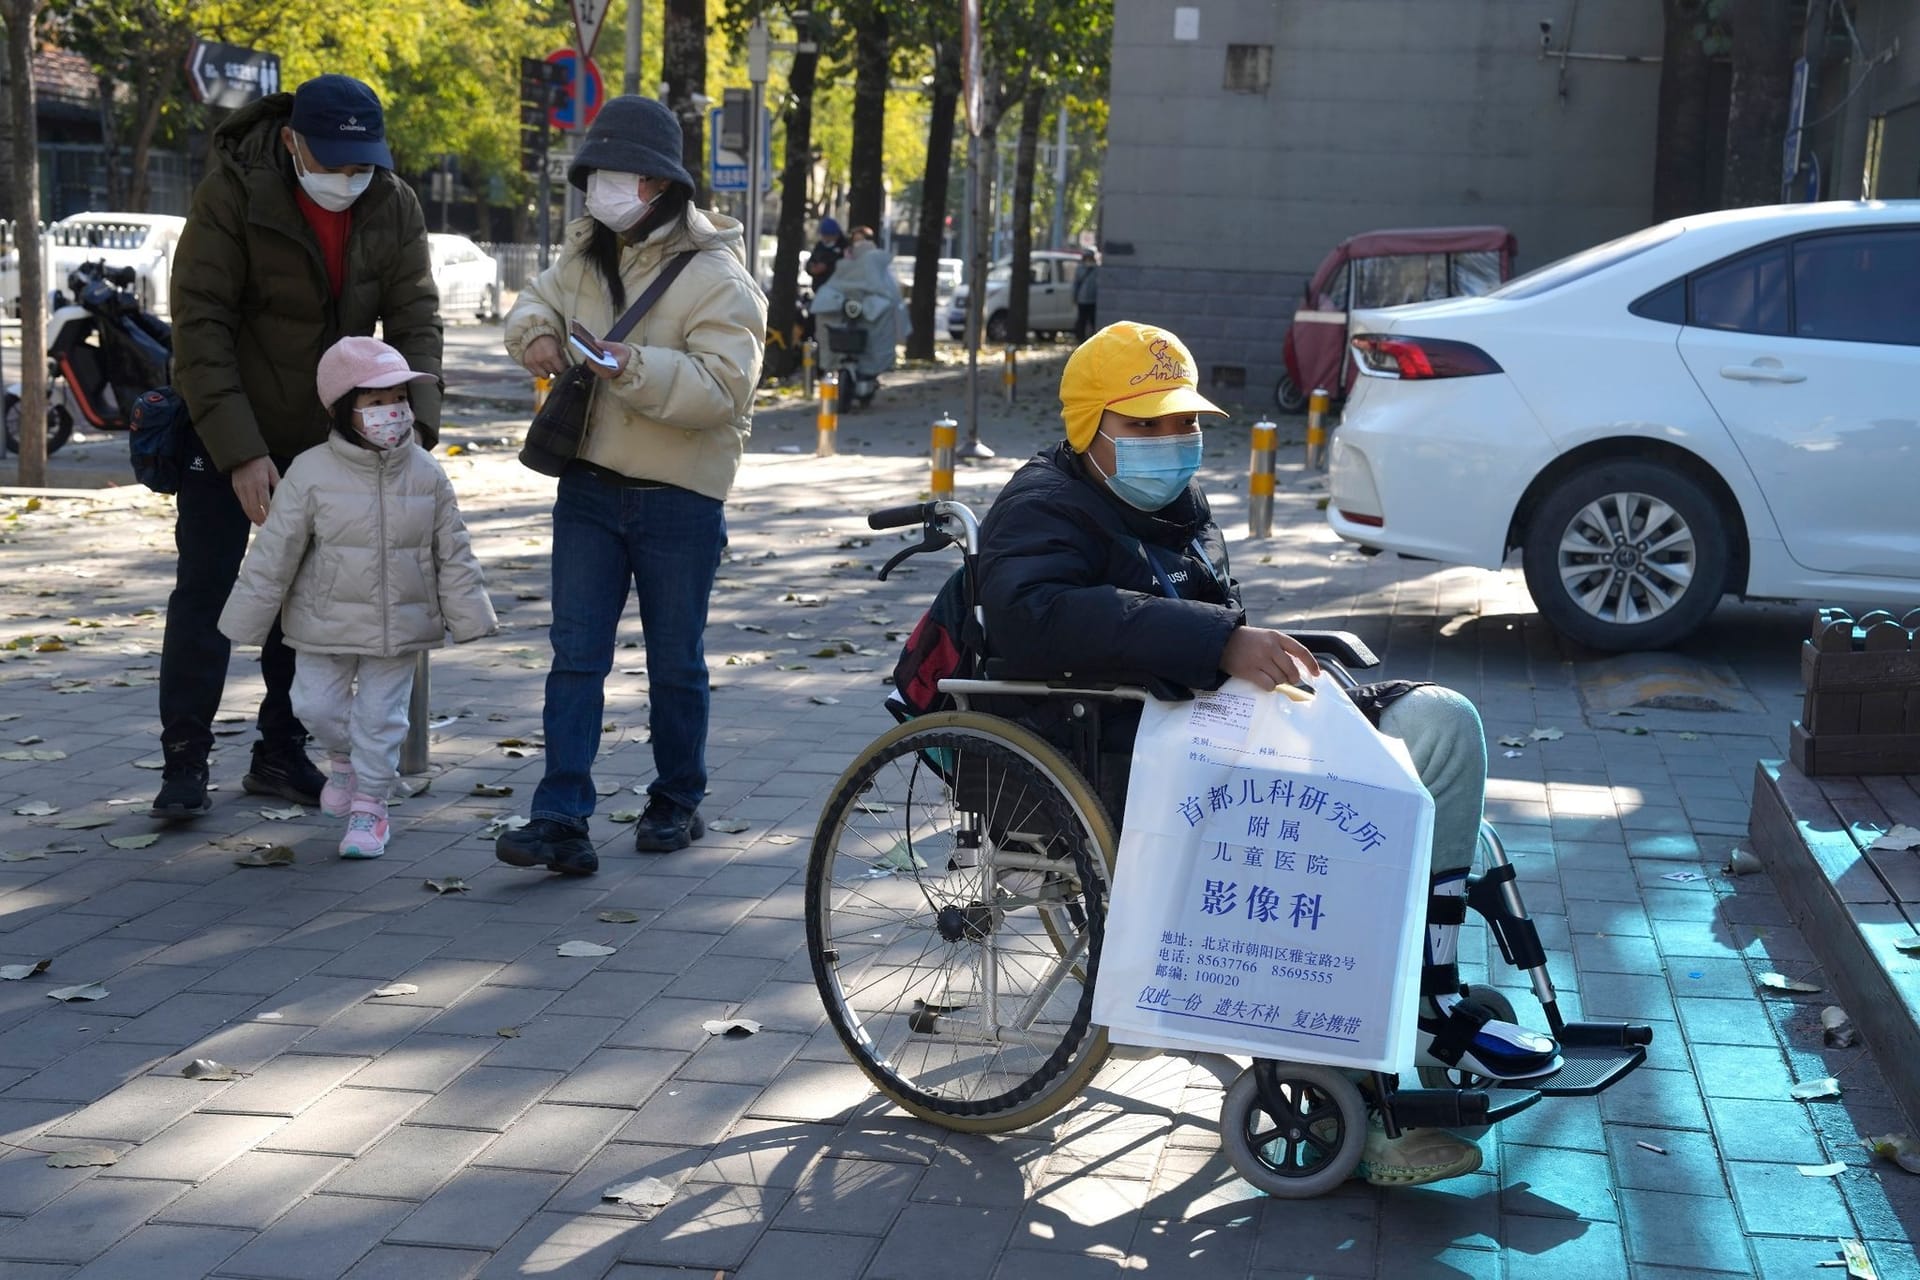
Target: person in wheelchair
[(1100, 562)]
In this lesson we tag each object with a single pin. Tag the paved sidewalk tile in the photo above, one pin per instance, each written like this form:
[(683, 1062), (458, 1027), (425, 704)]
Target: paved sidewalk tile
[(705, 1225), (781, 1255), (487, 1097), (166, 1253), (346, 1122), (554, 1244), (253, 1190), (410, 1163), (86, 1221), (398, 1262), (554, 1138), (319, 1239), (480, 1209), (286, 1086), (196, 1147), (934, 1242)]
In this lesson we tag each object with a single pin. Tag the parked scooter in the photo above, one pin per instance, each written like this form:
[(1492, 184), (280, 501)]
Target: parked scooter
[(103, 351), (858, 314)]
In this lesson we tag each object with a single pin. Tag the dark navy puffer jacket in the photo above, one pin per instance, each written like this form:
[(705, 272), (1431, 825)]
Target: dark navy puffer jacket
[(1077, 584)]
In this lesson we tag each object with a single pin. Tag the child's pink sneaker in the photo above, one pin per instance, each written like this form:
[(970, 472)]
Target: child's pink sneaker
[(336, 798), (366, 829)]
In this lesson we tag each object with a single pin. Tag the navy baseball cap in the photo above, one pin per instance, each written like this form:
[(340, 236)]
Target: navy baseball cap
[(341, 120)]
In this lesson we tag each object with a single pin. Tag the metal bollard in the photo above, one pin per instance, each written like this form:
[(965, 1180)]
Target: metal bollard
[(829, 416), (1317, 429), (946, 433), (807, 358), (1010, 375), (542, 384), (413, 751), (1260, 480)]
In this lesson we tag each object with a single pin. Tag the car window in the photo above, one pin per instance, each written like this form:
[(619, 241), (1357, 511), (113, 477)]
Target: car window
[(1399, 279), (1476, 272), (1858, 287), (1746, 295), (1667, 304), (1583, 264)]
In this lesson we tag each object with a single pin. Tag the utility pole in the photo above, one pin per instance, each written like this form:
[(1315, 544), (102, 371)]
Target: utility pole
[(1060, 182), (630, 78), (759, 50)]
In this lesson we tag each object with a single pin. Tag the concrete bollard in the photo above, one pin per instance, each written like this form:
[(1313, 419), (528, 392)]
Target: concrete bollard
[(829, 416), (413, 751), (946, 434), (1260, 480), (808, 359), (1317, 429), (1010, 375)]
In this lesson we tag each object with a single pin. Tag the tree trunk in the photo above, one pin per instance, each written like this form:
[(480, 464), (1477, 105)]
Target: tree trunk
[(922, 310), (21, 16), (151, 100), (783, 303), (1680, 159), (867, 197), (684, 68), (1757, 114), (110, 144), (1025, 157)]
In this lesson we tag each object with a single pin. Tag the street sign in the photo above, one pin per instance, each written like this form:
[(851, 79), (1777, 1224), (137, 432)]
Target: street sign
[(562, 115), (727, 168), (230, 75), (736, 109), (557, 165), (587, 17)]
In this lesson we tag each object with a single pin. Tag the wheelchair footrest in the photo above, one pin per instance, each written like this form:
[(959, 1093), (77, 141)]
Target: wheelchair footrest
[(1596, 1055)]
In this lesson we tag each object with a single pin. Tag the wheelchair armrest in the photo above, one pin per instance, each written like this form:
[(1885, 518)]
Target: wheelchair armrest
[(1342, 646)]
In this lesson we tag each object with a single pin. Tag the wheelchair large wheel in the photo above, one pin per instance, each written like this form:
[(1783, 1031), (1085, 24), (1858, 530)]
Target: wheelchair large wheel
[(1303, 1142), (956, 894)]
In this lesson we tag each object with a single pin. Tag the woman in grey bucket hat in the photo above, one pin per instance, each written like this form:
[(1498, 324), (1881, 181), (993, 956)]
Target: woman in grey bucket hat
[(642, 507)]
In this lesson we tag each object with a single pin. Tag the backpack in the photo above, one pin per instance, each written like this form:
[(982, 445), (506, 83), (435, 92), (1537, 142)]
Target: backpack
[(159, 438), (943, 645)]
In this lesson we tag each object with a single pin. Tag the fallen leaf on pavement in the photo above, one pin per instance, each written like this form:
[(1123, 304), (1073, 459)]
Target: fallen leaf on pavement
[(452, 884), (287, 814), (208, 1069), (1780, 982), (278, 855), (1689, 737), (150, 762), (619, 917), (824, 700), (508, 1033), (491, 789), (134, 842), (1513, 740), (1836, 1028), (1820, 1170), (506, 822), (1899, 840), (624, 815), (398, 989), (1908, 946), (82, 1157), (577, 948), (901, 858), (85, 822), (85, 991), (1547, 735), (732, 826), (736, 1028), (1812, 1090), (15, 972), (783, 839), (647, 1193), (36, 809), (1897, 1147), (22, 855)]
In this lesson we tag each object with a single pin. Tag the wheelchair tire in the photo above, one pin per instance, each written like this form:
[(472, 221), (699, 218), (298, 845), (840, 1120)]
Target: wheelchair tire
[(955, 947), (1309, 1151)]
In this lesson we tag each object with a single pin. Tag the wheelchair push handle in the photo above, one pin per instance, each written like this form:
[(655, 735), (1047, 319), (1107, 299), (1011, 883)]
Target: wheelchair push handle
[(899, 517)]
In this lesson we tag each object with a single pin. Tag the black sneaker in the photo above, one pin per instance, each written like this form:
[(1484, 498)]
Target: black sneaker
[(282, 769), (665, 827), (546, 843), (183, 794)]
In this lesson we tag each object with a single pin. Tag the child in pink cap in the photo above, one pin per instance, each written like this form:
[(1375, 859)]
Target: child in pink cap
[(365, 561)]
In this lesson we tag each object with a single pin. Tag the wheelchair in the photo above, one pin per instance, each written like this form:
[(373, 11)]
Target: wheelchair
[(955, 902)]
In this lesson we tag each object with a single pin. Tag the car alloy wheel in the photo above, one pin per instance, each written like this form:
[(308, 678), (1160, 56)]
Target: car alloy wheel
[(1627, 555)]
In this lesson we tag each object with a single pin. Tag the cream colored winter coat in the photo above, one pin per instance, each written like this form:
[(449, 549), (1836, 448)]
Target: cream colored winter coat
[(682, 410), (363, 552)]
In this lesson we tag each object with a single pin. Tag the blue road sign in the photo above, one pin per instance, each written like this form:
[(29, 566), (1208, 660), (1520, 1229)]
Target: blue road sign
[(727, 170), (562, 116)]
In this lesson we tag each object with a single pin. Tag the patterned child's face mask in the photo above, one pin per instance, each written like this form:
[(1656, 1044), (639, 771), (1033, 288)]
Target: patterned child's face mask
[(386, 425)]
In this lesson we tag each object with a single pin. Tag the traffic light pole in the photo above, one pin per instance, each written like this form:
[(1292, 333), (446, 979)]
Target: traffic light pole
[(759, 47)]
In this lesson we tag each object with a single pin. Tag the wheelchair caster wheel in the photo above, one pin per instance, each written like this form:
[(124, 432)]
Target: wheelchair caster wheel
[(1301, 1136)]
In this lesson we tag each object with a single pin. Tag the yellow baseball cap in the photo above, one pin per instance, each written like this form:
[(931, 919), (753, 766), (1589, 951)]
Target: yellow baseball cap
[(1133, 369)]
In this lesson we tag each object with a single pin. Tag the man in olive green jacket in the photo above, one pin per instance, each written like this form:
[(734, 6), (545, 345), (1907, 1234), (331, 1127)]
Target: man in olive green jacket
[(300, 234)]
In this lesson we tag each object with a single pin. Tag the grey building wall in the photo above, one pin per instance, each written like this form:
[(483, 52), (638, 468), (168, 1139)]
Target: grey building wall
[(1888, 56), (1218, 204)]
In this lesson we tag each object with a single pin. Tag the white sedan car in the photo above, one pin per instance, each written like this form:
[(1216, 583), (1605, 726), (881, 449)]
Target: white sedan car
[(143, 241), (1720, 404), (467, 277)]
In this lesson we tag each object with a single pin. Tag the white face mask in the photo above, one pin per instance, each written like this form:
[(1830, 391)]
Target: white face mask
[(614, 199), (386, 425), (334, 192)]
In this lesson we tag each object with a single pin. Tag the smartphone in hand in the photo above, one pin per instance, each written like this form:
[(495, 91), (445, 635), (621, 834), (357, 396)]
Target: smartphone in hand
[(581, 339)]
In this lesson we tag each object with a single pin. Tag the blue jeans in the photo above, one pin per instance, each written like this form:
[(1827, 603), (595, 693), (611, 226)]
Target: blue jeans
[(666, 543)]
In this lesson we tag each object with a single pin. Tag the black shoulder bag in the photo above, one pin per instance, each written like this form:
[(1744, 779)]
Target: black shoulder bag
[(560, 427)]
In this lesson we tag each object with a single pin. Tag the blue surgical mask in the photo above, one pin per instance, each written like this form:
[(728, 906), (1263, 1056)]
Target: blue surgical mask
[(1151, 471)]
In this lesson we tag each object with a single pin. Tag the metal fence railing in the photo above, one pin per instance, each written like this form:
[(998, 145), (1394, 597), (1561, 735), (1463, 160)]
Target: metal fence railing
[(519, 263)]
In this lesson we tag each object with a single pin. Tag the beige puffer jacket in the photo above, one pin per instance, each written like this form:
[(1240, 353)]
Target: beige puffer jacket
[(363, 552), (682, 410)]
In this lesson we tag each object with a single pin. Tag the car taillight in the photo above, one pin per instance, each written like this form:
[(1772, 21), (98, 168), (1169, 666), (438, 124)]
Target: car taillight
[(1414, 359)]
